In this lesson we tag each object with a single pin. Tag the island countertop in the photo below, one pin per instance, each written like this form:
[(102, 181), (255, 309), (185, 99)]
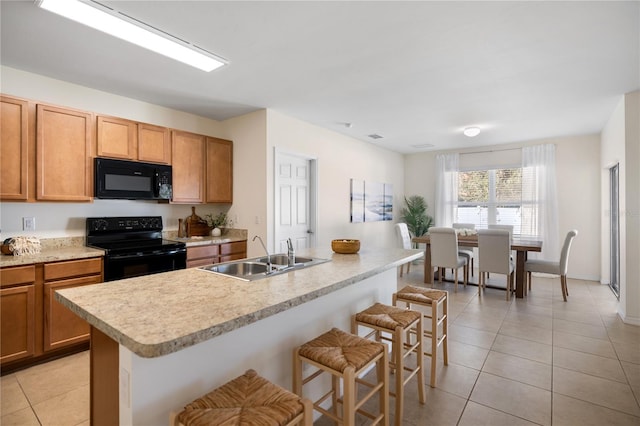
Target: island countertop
[(159, 314)]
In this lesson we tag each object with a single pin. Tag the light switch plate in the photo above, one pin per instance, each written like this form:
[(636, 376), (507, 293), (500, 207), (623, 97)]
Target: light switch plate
[(28, 223)]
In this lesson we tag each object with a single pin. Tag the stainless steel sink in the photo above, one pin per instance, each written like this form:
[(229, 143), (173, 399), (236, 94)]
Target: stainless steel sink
[(257, 268)]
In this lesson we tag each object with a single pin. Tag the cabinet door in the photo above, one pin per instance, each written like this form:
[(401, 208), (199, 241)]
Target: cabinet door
[(116, 138), (187, 159), (233, 251), (61, 326), (63, 154), (219, 171), (17, 316), (154, 144), (14, 144), (202, 255)]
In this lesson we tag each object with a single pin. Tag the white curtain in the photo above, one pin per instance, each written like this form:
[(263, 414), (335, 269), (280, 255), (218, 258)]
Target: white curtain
[(446, 189), (539, 199)]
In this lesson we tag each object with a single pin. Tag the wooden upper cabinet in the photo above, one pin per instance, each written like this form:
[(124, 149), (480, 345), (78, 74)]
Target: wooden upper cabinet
[(154, 144), (130, 140), (63, 154), (187, 159), (14, 148), (219, 169), (116, 138)]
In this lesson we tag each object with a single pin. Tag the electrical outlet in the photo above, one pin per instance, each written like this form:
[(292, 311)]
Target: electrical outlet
[(28, 223)]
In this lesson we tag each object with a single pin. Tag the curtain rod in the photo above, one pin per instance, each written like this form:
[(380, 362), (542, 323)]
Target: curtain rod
[(492, 150)]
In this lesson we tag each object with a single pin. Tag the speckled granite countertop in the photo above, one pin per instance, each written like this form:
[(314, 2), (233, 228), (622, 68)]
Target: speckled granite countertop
[(163, 313), (53, 250)]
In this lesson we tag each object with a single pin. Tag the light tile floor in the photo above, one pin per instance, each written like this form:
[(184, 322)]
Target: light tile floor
[(527, 361)]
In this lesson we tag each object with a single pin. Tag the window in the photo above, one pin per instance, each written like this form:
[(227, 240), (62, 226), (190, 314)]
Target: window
[(490, 197)]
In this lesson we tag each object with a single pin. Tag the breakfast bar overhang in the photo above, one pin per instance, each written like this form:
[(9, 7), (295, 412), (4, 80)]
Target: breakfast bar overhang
[(162, 340)]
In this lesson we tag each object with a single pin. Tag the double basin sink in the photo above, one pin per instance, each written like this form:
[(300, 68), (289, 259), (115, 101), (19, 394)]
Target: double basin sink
[(259, 267)]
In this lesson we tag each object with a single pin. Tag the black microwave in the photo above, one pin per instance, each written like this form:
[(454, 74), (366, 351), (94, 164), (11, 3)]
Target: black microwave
[(132, 180)]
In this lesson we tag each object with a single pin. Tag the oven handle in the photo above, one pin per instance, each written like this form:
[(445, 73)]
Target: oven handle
[(142, 254)]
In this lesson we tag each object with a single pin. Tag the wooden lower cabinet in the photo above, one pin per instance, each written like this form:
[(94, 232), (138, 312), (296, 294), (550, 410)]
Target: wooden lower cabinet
[(17, 312), (215, 253), (202, 255), (61, 326), (233, 251), (34, 325)]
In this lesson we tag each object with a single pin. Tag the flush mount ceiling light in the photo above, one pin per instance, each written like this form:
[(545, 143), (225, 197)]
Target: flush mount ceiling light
[(471, 131), (114, 23)]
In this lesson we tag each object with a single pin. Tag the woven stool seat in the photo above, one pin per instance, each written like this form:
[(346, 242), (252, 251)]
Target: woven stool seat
[(435, 300), (388, 317), (421, 295), (401, 324), (339, 350), (246, 400)]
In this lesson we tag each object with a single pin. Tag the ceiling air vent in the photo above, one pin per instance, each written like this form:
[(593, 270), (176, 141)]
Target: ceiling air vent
[(375, 136), (423, 145)]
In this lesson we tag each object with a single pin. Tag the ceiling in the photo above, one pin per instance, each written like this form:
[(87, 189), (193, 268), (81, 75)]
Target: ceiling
[(415, 73)]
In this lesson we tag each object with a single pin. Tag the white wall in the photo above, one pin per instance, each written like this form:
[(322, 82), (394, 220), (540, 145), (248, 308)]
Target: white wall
[(578, 174), (339, 159), (248, 133)]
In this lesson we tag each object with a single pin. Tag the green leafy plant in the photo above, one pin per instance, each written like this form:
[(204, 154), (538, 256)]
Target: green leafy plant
[(414, 214), (216, 221)]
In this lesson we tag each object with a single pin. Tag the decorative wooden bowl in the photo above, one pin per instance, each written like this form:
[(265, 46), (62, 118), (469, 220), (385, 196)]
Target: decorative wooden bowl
[(345, 246)]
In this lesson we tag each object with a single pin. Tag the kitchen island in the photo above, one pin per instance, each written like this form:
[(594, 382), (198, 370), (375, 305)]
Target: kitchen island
[(160, 341)]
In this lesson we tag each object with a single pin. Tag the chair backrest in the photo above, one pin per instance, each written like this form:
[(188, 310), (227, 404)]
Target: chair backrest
[(404, 239), (464, 226), (564, 254), (507, 227), (494, 250), (444, 247)]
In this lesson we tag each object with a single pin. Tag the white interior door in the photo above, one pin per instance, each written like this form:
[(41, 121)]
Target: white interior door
[(293, 202)]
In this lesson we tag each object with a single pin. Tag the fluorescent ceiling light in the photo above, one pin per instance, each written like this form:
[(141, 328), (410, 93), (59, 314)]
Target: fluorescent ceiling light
[(121, 27), (471, 131)]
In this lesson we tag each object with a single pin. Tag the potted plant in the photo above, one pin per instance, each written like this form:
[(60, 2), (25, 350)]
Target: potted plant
[(216, 222), (414, 214)]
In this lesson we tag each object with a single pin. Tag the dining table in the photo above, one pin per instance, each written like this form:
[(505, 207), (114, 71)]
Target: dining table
[(522, 246)]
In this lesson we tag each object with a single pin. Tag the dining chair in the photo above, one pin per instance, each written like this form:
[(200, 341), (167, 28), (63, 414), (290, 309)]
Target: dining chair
[(444, 253), (468, 252), (554, 268), (494, 255), (404, 241)]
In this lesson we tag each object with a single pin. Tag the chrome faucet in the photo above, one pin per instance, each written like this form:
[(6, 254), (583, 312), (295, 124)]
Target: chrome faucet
[(291, 254), (266, 251)]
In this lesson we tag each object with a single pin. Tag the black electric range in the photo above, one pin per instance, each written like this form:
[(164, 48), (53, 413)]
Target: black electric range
[(134, 246)]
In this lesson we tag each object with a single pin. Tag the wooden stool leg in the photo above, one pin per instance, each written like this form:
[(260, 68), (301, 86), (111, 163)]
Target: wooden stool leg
[(420, 359), (297, 373), (348, 397), (445, 329), (397, 349), (434, 343), (382, 369)]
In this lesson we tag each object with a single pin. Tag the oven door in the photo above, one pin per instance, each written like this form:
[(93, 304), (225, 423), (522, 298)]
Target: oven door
[(117, 267)]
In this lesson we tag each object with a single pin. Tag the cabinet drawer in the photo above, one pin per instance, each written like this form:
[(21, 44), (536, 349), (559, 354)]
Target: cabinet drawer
[(17, 275), (201, 262), (73, 268), (233, 248), (201, 252)]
